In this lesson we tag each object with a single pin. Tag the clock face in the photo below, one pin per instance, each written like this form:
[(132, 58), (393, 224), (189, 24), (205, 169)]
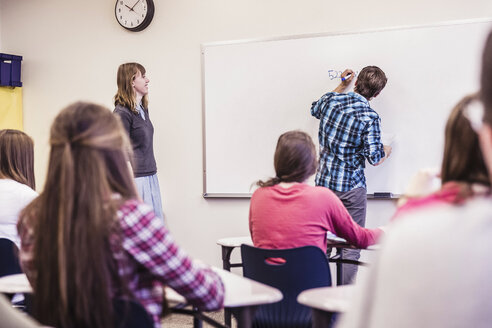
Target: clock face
[(134, 15)]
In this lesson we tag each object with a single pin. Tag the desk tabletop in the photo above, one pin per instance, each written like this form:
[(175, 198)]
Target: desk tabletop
[(235, 241), (241, 291), (329, 299), (16, 283), (332, 239)]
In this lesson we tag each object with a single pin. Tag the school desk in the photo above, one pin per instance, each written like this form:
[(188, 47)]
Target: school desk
[(325, 301), (229, 244), (242, 296)]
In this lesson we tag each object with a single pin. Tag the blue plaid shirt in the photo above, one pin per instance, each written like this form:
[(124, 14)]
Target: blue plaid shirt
[(349, 133)]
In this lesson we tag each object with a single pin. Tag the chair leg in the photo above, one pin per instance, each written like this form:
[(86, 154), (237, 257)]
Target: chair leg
[(339, 267), (322, 319), (197, 323), (226, 265)]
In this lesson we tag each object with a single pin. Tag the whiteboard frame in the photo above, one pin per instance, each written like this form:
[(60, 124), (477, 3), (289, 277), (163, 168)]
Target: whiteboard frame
[(204, 46)]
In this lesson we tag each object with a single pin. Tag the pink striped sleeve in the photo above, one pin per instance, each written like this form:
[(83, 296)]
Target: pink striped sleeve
[(148, 241)]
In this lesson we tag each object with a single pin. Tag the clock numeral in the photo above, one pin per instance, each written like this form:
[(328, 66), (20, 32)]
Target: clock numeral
[(132, 24), (126, 22), (121, 17), (119, 10), (143, 15), (121, 3), (138, 21)]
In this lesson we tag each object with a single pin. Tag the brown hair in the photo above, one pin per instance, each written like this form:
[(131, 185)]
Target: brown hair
[(74, 217), (294, 159), (486, 80), (125, 96), (17, 157), (462, 159), (370, 81)]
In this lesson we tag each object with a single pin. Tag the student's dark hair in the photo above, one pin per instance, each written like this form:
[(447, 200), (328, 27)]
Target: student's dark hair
[(294, 159), (462, 159), (486, 80), (17, 157), (125, 96), (74, 218), (370, 81)]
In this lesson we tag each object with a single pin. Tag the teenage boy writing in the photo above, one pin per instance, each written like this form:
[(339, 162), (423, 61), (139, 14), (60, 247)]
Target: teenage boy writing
[(349, 133)]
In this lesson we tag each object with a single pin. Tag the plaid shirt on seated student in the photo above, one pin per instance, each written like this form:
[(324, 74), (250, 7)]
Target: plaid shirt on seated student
[(349, 133), (148, 258)]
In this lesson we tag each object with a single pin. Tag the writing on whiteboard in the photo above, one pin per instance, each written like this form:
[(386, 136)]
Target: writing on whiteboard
[(334, 74)]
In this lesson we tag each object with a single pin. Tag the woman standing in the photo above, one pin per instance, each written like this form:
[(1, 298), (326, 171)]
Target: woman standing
[(132, 106), (16, 179)]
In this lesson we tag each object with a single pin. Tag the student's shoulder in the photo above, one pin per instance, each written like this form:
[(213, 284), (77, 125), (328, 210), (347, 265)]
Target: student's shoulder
[(367, 114), (17, 188), (329, 96), (320, 192), (261, 192), (134, 209)]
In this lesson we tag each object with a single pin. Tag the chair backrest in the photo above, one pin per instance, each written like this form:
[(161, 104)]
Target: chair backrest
[(131, 314), (9, 260), (302, 268)]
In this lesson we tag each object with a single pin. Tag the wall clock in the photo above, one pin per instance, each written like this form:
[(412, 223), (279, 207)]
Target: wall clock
[(134, 15)]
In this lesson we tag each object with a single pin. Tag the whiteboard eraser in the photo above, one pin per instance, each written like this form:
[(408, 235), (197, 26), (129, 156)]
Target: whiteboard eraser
[(382, 195)]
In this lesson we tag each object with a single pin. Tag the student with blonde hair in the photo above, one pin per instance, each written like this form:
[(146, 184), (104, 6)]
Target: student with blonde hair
[(131, 101), (87, 239), (17, 181)]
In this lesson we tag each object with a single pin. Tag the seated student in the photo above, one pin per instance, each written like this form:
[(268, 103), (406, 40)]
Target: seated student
[(463, 171), (87, 239), (285, 212), (434, 268), (16, 179)]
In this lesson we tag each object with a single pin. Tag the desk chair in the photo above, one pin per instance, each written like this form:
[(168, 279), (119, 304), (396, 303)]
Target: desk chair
[(131, 314), (9, 264), (304, 268), (9, 261)]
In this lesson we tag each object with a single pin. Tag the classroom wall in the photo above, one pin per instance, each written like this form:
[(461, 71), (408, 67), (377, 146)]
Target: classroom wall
[(72, 50)]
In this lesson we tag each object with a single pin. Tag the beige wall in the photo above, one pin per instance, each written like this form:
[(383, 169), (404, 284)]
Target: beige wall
[(72, 49)]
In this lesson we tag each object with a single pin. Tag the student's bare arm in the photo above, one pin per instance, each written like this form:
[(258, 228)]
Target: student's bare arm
[(345, 81)]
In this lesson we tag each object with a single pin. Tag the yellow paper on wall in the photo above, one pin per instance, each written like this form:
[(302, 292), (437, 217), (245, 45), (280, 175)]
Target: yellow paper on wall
[(11, 108)]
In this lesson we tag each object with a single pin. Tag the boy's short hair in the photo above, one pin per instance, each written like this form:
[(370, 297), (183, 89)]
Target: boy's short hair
[(370, 82)]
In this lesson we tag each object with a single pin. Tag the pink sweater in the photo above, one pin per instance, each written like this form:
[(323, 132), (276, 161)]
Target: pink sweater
[(452, 192), (301, 215)]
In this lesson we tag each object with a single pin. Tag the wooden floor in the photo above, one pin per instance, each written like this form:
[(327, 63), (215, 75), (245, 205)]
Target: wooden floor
[(186, 321)]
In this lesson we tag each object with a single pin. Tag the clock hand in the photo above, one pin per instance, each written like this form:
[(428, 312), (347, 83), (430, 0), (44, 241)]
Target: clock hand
[(135, 4), (128, 7)]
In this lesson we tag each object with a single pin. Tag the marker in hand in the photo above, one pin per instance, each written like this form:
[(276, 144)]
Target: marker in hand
[(346, 77)]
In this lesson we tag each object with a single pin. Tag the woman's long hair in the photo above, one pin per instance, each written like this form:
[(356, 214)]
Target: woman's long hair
[(125, 96), (463, 160), (17, 157), (294, 159), (74, 218)]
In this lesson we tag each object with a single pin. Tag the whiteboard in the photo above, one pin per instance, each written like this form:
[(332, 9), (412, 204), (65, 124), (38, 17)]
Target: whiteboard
[(253, 91)]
